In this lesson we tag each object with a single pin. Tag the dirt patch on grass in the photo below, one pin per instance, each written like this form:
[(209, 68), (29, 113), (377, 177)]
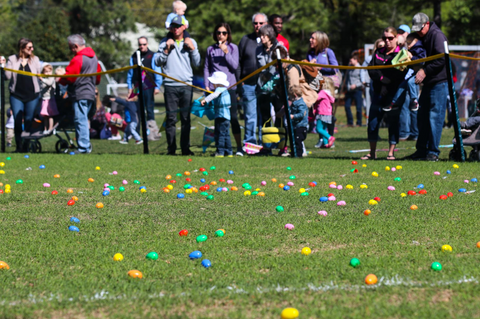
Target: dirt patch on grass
[(444, 295)]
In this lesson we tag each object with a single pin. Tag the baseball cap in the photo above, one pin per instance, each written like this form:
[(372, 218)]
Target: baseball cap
[(418, 21), (404, 28), (177, 20)]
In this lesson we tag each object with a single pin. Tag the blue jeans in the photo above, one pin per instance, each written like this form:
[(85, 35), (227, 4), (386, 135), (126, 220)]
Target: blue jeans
[(408, 119), (131, 129), (22, 111), (222, 136), (250, 109), (357, 96), (375, 117), (431, 115), (82, 132)]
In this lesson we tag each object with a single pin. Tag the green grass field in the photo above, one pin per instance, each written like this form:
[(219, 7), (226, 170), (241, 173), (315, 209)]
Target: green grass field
[(257, 268)]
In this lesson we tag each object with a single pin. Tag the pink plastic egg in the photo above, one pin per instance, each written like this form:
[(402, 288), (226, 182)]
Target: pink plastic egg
[(263, 183), (46, 185), (331, 198), (466, 181), (393, 169), (114, 172), (341, 203), (340, 187), (124, 182), (391, 188), (333, 186), (229, 181), (106, 185), (289, 226), (436, 173), (290, 184), (106, 189), (225, 189), (323, 213)]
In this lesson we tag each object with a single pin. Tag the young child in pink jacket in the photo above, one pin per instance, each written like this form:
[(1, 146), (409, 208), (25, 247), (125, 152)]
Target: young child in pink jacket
[(322, 109)]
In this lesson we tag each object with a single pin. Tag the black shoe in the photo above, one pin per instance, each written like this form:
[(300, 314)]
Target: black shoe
[(432, 158), (412, 138), (188, 153), (415, 157)]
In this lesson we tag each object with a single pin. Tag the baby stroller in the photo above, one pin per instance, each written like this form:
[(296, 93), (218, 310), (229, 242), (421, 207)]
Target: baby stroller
[(474, 141)]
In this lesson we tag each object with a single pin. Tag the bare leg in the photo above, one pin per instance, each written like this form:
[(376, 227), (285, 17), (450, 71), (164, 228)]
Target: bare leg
[(372, 154), (391, 150), (50, 123)]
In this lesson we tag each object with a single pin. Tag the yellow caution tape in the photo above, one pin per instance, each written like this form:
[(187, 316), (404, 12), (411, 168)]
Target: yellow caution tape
[(176, 80), (253, 73), (71, 75), (456, 56)]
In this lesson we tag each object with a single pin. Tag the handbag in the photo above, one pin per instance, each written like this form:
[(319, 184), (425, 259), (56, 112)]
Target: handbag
[(273, 137), (337, 77)]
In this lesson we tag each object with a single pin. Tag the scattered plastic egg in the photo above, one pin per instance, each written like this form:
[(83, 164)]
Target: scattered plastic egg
[(414, 207), (455, 166), (422, 192), (354, 162), (332, 186), (332, 198), (387, 168), (233, 188), (286, 188), (436, 173), (399, 167), (114, 172), (46, 185), (135, 274), (54, 192), (289, 313), (289, 226), (97, 168), (403, 195), (99, 205), (201, 238), (393, 169), (279, 209), (450, 194), (449, 172), (117, 257), (323, 199), (341, 203), (73, 228), (367, 212), (41, 167), (364, 165), (391, 188), (371, 279), (183, 232), (247, 193), (374, 174), (436, 266), (306, 251), (354, 262), (206, 263), (274, 180), (323, 213), (443, 197), (474, 180), (229, 181), (71, 202), (349, 186), (56, 176), (372, 202), (462, 190), (4, 265), (446, 248), (290, 184), (74, 220), (363, 186), (466, 181)]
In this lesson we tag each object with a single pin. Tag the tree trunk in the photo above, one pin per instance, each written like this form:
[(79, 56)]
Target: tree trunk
[(437, 12)]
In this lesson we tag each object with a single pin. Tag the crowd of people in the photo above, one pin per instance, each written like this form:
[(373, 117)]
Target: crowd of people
[(391, 94)]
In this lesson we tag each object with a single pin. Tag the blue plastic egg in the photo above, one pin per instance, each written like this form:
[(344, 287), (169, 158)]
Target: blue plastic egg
[(195, 254), (219, 189), (42, 167), (180, 196), (73, 228), (72, 153), (315, 183), (142, 187), (323, 199), (206, 263), (105, 193), (286, 188), (474, 180), (462, 190), (202, 180), (74, 220), (231, 173), (420, 186), (26, 156), (448, 172)]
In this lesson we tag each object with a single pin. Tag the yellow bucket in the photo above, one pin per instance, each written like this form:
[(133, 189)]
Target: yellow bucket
[(273, 137)]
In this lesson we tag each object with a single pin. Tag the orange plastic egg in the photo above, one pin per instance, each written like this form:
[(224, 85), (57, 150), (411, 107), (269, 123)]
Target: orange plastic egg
[(367, 212), (281, 185), (194, 189), (234, 188), (166, 190), (262, 194), (186, 173), (70, 191), (75, 198), (91, 180), (478, 244), (274, 180), (168, 177), (135, 274), (414, 207), (99, 205), (4, 265), (371, 279), (56, 176), (213, 183)]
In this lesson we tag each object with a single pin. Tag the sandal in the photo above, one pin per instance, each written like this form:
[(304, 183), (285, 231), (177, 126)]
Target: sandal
[(391, 157), (367, 157)]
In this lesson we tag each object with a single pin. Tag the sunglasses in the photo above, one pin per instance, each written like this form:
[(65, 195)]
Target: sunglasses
[(260, 23), (142, 44), (388, 38), (175, 26), (29, 48), (222, 32)]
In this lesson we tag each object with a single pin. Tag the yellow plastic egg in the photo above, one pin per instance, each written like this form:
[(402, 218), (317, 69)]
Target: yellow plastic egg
[(387, 168), (70, 191), (169, 186), (247, 193), (189, 191), (398, 167), (364, 165), (2, 164), (372, 202), (290, 313), (7, 191), (7, 186), (97, 168), (2, 172), (403, 195), (306, 251), (374, 174), (455, 166), (257, 189), (446, 248), (143, 190), (349, 186), (301, 190), (118, 257), (363, 186)]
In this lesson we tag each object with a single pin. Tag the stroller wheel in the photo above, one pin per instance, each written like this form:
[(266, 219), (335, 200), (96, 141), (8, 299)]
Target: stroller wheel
[(61, 146), (34, 146), (474, 155), (454, 155)]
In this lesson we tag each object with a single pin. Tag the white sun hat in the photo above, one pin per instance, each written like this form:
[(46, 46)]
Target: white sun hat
[(219, 78)]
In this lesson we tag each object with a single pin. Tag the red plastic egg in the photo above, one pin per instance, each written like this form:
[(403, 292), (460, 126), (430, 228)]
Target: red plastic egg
[(355, 170), (54, 193), (311, 184), (443, 197), (222, 180), (354, 162), (173, 181), (183, 232), (1, 191), (377, 199), (188, 179), (330, 194), (207, 187), (189, 159), (71, 202), (450, 194), (422, 192), (411, 193), (202, 169)]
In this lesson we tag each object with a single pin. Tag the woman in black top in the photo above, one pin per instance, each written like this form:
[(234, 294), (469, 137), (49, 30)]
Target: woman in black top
[(24, 89)]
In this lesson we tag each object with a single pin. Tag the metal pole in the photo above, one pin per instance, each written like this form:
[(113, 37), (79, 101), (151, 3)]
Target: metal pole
[(453, 102), (2, 107), (141, 101), (285, 101)]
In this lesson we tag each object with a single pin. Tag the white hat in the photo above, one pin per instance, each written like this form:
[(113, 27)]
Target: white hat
[(219, 78)]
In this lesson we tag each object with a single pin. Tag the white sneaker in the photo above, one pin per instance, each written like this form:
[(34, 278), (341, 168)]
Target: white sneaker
[(139, 142), (305, 154), (115, 138), (239, 153), (319, 144), (45, 132), (123, 142)]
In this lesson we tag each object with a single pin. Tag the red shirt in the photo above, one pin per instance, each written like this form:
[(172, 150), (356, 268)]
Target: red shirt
[(281, 38)]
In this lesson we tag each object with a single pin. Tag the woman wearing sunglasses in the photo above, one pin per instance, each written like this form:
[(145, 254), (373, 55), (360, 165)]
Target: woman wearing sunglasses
[(385, 85), (24, 89), (223, 56)]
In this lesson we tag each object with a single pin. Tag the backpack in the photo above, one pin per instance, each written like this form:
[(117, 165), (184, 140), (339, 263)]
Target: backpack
[(312, 74)]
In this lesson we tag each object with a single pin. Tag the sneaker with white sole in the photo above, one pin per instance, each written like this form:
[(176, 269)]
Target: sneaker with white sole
[(239, 153), (139, 142), (319, 144), (123, 142), (115, 138)]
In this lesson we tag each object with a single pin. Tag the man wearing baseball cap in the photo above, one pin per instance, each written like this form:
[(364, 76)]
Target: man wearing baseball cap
[(433, 100)]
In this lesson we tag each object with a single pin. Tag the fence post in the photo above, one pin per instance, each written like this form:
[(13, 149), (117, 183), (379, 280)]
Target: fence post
[(142, 103), (453, 102), (2, 106), (285, 102)]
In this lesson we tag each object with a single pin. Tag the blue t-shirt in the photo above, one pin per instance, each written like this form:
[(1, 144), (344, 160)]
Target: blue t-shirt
[(222, 103)]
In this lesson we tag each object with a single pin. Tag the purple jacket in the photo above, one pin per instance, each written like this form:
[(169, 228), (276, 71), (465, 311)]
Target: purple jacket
[(322, 59), (217, 60)]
